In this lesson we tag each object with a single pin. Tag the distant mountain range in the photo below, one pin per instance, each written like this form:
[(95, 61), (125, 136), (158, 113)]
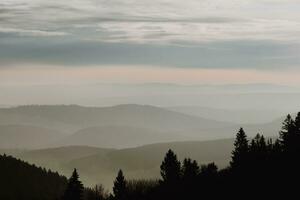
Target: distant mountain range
[(259, 96), (118, 126), (98, 165), (32, 127), (245, 116), (27, 136)]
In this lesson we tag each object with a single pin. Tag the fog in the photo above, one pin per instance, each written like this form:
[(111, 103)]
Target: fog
[(232, 97)]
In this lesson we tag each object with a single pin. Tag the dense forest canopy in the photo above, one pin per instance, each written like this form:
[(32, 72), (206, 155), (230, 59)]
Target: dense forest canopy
[(20, 180)]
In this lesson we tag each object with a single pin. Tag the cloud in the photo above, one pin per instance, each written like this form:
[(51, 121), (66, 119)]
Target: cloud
[(195, 31), (23, 32), (260, 34), (143, 21), (242, 54)]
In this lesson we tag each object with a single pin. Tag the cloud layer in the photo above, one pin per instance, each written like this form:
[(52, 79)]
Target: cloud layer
[(161, 21), (260, 34)]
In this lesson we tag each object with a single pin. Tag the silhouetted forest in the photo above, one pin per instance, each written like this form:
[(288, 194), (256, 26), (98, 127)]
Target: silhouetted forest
[(20, 180), (259, 167)]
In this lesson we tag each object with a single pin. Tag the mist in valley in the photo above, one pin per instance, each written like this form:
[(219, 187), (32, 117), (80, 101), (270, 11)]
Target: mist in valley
[(99, 139), (144, 100)]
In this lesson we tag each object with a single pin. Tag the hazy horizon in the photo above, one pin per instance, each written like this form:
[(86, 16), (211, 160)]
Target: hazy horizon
[(201, 60), (95, 86), (80, 42)]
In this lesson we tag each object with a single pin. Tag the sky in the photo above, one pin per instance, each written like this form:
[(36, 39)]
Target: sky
[(136, 41)]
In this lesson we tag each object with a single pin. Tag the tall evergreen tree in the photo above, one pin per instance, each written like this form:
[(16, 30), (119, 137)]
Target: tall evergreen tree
[(95, 193), (170, 168), (258, 153), (258, 144), (297, 130), (241, 150), (294, 145), (120, 187), (209, 170), (190, 169), (297, 123), (288, 134), (74, 189)]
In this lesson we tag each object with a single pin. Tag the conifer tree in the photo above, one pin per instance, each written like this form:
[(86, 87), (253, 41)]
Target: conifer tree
[(190, 169), (258, 145), (209, 170), (288, 134), (258, 154), (241, 150), (120, 187), (74, 189), (297, 129), (276, 148), (297, 122), (170, 168), (294, 144)]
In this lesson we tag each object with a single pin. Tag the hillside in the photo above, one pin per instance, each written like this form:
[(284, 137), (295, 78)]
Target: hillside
[(78, 117), (56, 158), (119, 126), (119, 137), (22, 181), (27, 137), (139, 162), (239, 116), (123, 126)]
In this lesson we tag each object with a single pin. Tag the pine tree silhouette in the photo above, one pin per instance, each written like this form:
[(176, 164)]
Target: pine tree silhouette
[(95, 193), (209, 170), (74, 189), (297, 123), (120, 187), (288, 134), (297, 132), (170, 168), (190, 169), (258, 145), (241, 150)]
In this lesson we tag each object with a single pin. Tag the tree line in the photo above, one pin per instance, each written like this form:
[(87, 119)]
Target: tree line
[(20, 180), (259, 167)]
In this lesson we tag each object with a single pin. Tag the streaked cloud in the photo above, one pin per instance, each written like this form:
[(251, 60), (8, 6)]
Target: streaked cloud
[(23, 32), (158, 21), (207, 34)]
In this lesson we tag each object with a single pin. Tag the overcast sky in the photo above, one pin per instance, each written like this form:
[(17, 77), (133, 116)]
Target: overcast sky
[(193, 41)]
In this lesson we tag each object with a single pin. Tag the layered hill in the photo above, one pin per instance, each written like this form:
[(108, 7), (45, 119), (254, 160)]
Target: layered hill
[(98, 165), (120, 136), (123, 126), (118, 126), (78, 117), (27, 136), (240, 116)]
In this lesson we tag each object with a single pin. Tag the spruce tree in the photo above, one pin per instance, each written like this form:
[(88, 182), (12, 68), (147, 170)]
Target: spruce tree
[(258, 154), (240, 154), (120, 187), (74, 189), (209, 170), (170, 168), (276, 148), (297, 129), (190, 170), (258, 145), (294, 143), (288, 134)]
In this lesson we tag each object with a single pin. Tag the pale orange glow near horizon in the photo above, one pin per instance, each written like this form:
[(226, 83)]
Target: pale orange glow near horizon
[(143, 74)]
